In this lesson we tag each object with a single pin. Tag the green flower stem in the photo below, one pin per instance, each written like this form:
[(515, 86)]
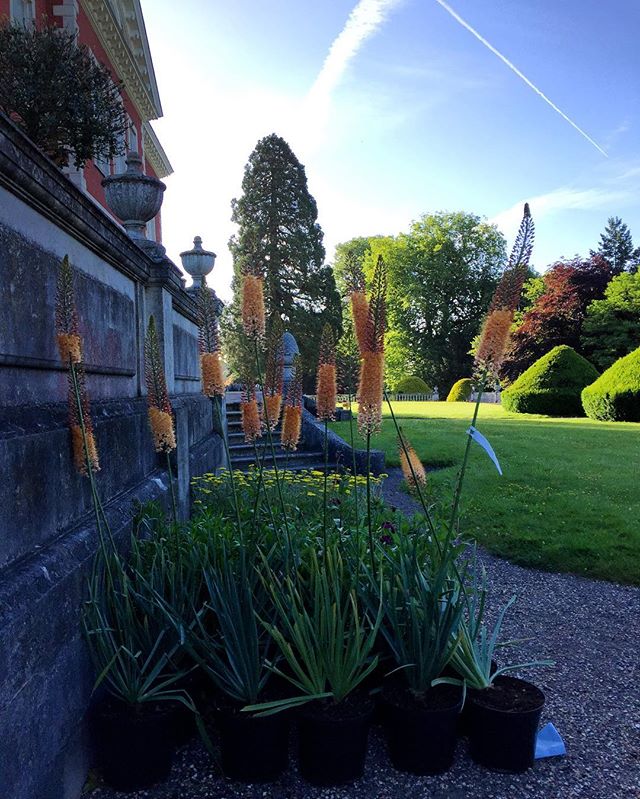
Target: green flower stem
[(260, 482), (97, 504), (369, 522), (174, 504), (324, 503), (232, 482), (270, 440), (423, 502), (355, 470), (463, 468)]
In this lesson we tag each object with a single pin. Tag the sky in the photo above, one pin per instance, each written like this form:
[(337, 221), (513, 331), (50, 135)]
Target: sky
[(399, 108)]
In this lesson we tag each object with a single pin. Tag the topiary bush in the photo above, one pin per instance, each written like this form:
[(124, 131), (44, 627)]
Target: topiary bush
[(552, 385), (412, 385), (615, 395), (461, 390)]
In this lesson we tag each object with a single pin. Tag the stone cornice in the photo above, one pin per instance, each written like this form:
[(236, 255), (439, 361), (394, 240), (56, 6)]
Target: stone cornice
[(154, 153), (32, 177), (128, 56)]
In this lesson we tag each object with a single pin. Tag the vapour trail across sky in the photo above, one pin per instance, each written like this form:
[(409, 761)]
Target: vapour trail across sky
[(523, 77)]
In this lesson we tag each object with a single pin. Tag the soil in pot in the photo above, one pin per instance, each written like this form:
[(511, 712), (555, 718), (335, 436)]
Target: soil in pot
[(503, 724), (333, 740), (134, 743), (421, 731), (252, 748)]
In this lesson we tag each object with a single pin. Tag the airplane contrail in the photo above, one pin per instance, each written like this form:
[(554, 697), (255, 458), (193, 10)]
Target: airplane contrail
[(364, 20), (515, 69)]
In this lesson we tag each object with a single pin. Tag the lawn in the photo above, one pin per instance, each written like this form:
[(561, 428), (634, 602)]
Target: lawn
[(569, 499)]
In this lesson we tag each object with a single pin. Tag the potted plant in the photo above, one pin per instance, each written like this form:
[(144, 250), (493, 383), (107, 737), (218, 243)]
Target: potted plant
[(422, 607), (326, 641), (232, 647), (137, 663), (502, 712)]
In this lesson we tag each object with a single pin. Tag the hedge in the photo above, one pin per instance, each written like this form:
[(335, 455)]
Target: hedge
[(461, 390), (615, 395), (412, 385), (552, 385)]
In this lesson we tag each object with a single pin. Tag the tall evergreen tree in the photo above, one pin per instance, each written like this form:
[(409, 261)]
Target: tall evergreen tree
[(616, 246), (278, 233)]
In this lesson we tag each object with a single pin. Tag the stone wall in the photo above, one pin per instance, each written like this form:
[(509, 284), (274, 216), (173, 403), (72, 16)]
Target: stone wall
[(47, 536)]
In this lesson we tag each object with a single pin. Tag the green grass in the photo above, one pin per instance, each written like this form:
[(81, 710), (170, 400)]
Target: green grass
[(569, 499)]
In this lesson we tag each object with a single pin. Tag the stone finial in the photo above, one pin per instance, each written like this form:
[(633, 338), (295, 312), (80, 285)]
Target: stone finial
[(134, 197), (290, 350), (197, 262)]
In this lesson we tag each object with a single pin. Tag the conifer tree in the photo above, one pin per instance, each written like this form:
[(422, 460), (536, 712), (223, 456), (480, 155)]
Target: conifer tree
[(616, 246), (279, 235)]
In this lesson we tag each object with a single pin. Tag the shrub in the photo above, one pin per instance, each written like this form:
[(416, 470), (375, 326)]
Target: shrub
[(412, 385), (461, 390), (615, 395), (552, 386), (59, 95)]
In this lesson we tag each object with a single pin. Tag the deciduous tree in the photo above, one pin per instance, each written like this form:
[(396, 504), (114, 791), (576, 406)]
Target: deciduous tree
[(611, 326)]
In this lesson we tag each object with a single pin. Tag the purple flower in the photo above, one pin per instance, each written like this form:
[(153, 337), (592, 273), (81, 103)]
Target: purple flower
[(389, 526), (386, 540)]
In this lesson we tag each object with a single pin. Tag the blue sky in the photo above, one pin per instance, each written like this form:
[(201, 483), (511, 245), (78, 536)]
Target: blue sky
[(397, 109)]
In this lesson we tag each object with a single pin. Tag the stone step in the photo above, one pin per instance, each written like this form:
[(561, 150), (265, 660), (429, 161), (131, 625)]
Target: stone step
[(296, 462)]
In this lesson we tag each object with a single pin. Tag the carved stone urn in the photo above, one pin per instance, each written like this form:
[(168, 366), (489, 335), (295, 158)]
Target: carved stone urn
[(134, 197), (197, 262)]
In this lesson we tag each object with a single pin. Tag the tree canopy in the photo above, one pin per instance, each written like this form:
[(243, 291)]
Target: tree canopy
[(442, 275), (279, 235), (557, 314), (59, 95), (611, 326)]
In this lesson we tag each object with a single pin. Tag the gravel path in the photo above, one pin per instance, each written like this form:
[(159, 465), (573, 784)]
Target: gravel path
[(591, 629)]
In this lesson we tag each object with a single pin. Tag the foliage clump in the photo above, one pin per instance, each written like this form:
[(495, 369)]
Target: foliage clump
[(615, 395), (412, 385), (57, 93), (461, 390), (552, 386)]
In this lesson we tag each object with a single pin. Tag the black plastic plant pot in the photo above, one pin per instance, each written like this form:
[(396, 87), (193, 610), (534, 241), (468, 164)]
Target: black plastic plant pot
[(253, 748), (503, 724), (333, 740), (134, 743), (421, 734), (463, 719)]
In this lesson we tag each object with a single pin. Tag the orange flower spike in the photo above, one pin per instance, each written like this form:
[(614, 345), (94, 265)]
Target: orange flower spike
[(360, 313), (161, 423), (291, 427), (79, 455), (160, 411), (327, 384), (494, 338), (273, 404), (212, 374), (370, 390), (67, 333), (412, 468), (251, 422), (253, 311)]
